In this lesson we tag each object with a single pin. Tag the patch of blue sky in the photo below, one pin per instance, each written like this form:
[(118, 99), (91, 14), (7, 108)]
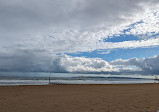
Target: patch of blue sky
[(121, 38), (120, 53), (154, 34), (124, 37), (129, 37)]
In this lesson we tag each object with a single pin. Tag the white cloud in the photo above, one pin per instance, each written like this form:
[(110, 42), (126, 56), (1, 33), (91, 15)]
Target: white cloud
[(85, 65), (149, 24), (146, 65), (130, 44), (29, 62)]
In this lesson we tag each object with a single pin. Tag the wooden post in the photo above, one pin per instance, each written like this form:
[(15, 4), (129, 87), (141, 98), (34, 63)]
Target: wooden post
[(49, 81)]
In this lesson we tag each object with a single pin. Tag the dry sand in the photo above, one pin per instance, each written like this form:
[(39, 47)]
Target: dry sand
[(80, 98)]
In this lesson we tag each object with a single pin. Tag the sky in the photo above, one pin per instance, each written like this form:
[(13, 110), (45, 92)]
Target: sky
[(80, 36)]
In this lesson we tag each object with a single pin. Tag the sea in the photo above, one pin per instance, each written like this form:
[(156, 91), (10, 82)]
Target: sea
[(40, 78)]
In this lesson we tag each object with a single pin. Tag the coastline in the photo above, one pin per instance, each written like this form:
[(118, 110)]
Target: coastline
[(65, 84)]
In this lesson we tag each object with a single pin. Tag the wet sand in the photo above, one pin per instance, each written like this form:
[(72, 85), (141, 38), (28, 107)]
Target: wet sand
[(80, 98)]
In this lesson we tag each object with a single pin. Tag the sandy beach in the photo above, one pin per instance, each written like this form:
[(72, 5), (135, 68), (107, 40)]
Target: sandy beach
[(80, 98)]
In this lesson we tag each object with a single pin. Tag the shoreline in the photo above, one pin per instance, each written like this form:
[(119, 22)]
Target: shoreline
[(80, 84)]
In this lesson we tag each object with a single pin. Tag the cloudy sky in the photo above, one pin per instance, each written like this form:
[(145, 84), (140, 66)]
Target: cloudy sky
[(80, 36)]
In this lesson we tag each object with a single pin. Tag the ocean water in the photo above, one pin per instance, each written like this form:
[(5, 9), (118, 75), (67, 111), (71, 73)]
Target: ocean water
[(19, 78)]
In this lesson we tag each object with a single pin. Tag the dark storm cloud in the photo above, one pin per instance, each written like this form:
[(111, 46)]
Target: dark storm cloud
[(19, 17)]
